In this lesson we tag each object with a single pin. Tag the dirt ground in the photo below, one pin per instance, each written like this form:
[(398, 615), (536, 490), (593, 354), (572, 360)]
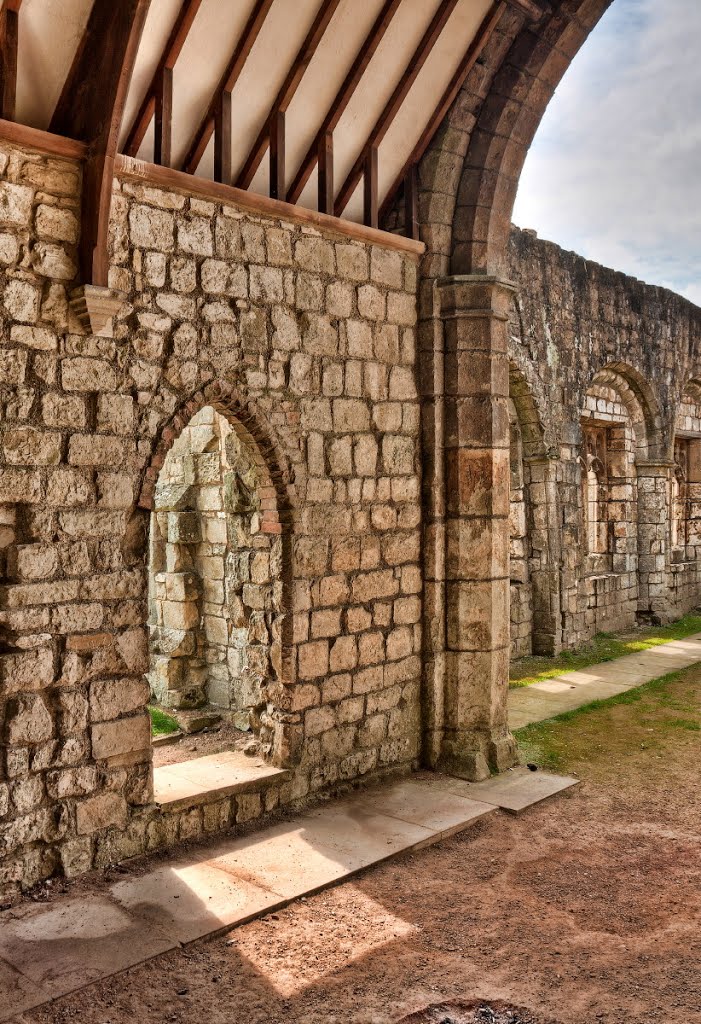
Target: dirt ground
[(583, 910), (212, 741)]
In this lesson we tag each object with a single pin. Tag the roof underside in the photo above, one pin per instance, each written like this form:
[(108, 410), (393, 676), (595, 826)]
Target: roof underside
[(50, 32)]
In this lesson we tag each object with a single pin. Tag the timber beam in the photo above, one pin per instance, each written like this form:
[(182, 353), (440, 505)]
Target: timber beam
[(91, 108)]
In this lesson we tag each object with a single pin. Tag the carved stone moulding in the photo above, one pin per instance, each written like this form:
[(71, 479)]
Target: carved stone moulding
[(96, 308)]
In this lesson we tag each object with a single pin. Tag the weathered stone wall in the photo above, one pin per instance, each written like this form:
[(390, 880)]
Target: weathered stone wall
[(592, 346), (306, 343), (521, 590)]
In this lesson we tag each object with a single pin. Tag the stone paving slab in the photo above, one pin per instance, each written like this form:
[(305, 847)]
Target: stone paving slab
[(63, 946), (190, 901), (48, 950), (571, 690), (422, 802), (18, 992), (520, 788)]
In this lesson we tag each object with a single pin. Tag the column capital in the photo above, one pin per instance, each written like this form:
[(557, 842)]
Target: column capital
[(475, 295), (653, 467)]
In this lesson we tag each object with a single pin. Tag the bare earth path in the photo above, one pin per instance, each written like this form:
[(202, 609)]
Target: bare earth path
[(585, 909)]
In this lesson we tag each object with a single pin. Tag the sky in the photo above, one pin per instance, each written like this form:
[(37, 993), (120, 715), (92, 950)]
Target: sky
[(614, 171)]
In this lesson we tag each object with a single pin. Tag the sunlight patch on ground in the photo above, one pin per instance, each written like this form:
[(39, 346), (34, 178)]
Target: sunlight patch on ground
[(327, 941)]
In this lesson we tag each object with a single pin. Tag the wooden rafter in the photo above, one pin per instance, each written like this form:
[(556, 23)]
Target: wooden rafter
[(344, 96), (395, 101), (91, 108), (159, 93), (446, 101), (201, 138), (9, 40), (286, 93), (533, 10)]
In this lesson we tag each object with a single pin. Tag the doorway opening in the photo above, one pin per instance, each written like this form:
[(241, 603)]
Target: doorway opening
[(215, 578)]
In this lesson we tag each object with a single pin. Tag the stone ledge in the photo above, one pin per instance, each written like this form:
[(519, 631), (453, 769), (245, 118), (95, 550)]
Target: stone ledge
[(205, 780)]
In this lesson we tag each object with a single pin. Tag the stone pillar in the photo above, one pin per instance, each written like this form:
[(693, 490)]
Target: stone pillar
[(653, 540), (543, 523), (476, 738)]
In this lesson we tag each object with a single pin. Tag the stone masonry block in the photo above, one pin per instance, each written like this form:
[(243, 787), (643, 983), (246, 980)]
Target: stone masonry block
[(124, 736)]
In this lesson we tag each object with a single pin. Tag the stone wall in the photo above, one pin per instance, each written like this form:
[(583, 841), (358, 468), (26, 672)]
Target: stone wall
[(296, 348), (592, 349), (305, 343)]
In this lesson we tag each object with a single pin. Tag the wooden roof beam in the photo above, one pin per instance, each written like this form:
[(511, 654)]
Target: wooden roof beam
[(382, 126), (287, 91), (472, 54), (159, 92), (91, 108), (343, 98), (200, 139), (9, 41)]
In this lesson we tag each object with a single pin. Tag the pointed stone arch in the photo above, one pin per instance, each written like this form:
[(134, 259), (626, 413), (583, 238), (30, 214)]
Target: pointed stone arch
[(248, 423), (276, 494), (642, 404)]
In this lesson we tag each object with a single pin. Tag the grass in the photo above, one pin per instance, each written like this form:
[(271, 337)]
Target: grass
[(604, 647), (161, 723), (603, 733)]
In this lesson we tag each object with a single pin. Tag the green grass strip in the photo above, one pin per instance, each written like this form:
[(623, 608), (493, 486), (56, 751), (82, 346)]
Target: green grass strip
[(161, 723), (539, 740), (604, 647)]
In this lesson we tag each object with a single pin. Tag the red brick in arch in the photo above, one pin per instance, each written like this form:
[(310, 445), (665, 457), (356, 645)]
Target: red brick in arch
[(277, 491)]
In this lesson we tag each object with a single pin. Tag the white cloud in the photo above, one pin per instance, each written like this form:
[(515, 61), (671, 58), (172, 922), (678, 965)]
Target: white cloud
[(614, 171)]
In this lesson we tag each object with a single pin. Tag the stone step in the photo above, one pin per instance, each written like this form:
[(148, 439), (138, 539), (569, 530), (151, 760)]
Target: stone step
[(207, 779)]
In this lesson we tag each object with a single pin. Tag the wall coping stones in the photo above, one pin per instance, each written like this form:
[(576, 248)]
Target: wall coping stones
[(188, 184)]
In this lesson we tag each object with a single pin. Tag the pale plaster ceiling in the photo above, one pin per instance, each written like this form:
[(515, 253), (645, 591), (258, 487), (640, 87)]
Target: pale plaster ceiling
[(50, 31)]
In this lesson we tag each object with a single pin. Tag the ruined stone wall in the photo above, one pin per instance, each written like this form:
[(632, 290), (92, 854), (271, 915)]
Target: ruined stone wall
[(306, 343), (590, 345), (521, 590)]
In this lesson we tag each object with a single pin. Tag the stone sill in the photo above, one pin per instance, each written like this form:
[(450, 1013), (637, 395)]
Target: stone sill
[(609, 575), (167, 739), (204, 780)]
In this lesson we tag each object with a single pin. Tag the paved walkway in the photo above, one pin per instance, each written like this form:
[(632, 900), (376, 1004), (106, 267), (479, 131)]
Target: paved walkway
[(571, 690), (48, 950)]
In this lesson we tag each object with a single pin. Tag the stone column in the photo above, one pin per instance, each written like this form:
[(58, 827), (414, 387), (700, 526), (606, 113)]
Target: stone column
[(476, 738), (653, 539), (543, 523)]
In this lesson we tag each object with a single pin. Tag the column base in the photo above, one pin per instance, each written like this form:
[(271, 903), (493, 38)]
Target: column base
[(476, 755)]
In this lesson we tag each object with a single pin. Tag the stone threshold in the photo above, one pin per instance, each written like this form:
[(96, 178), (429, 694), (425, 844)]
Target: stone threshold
[(204, 780), (51, 949)]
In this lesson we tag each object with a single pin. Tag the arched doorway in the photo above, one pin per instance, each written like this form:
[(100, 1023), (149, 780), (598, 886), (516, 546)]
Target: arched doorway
[(620, 467), (685, 500), (215, 576)]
